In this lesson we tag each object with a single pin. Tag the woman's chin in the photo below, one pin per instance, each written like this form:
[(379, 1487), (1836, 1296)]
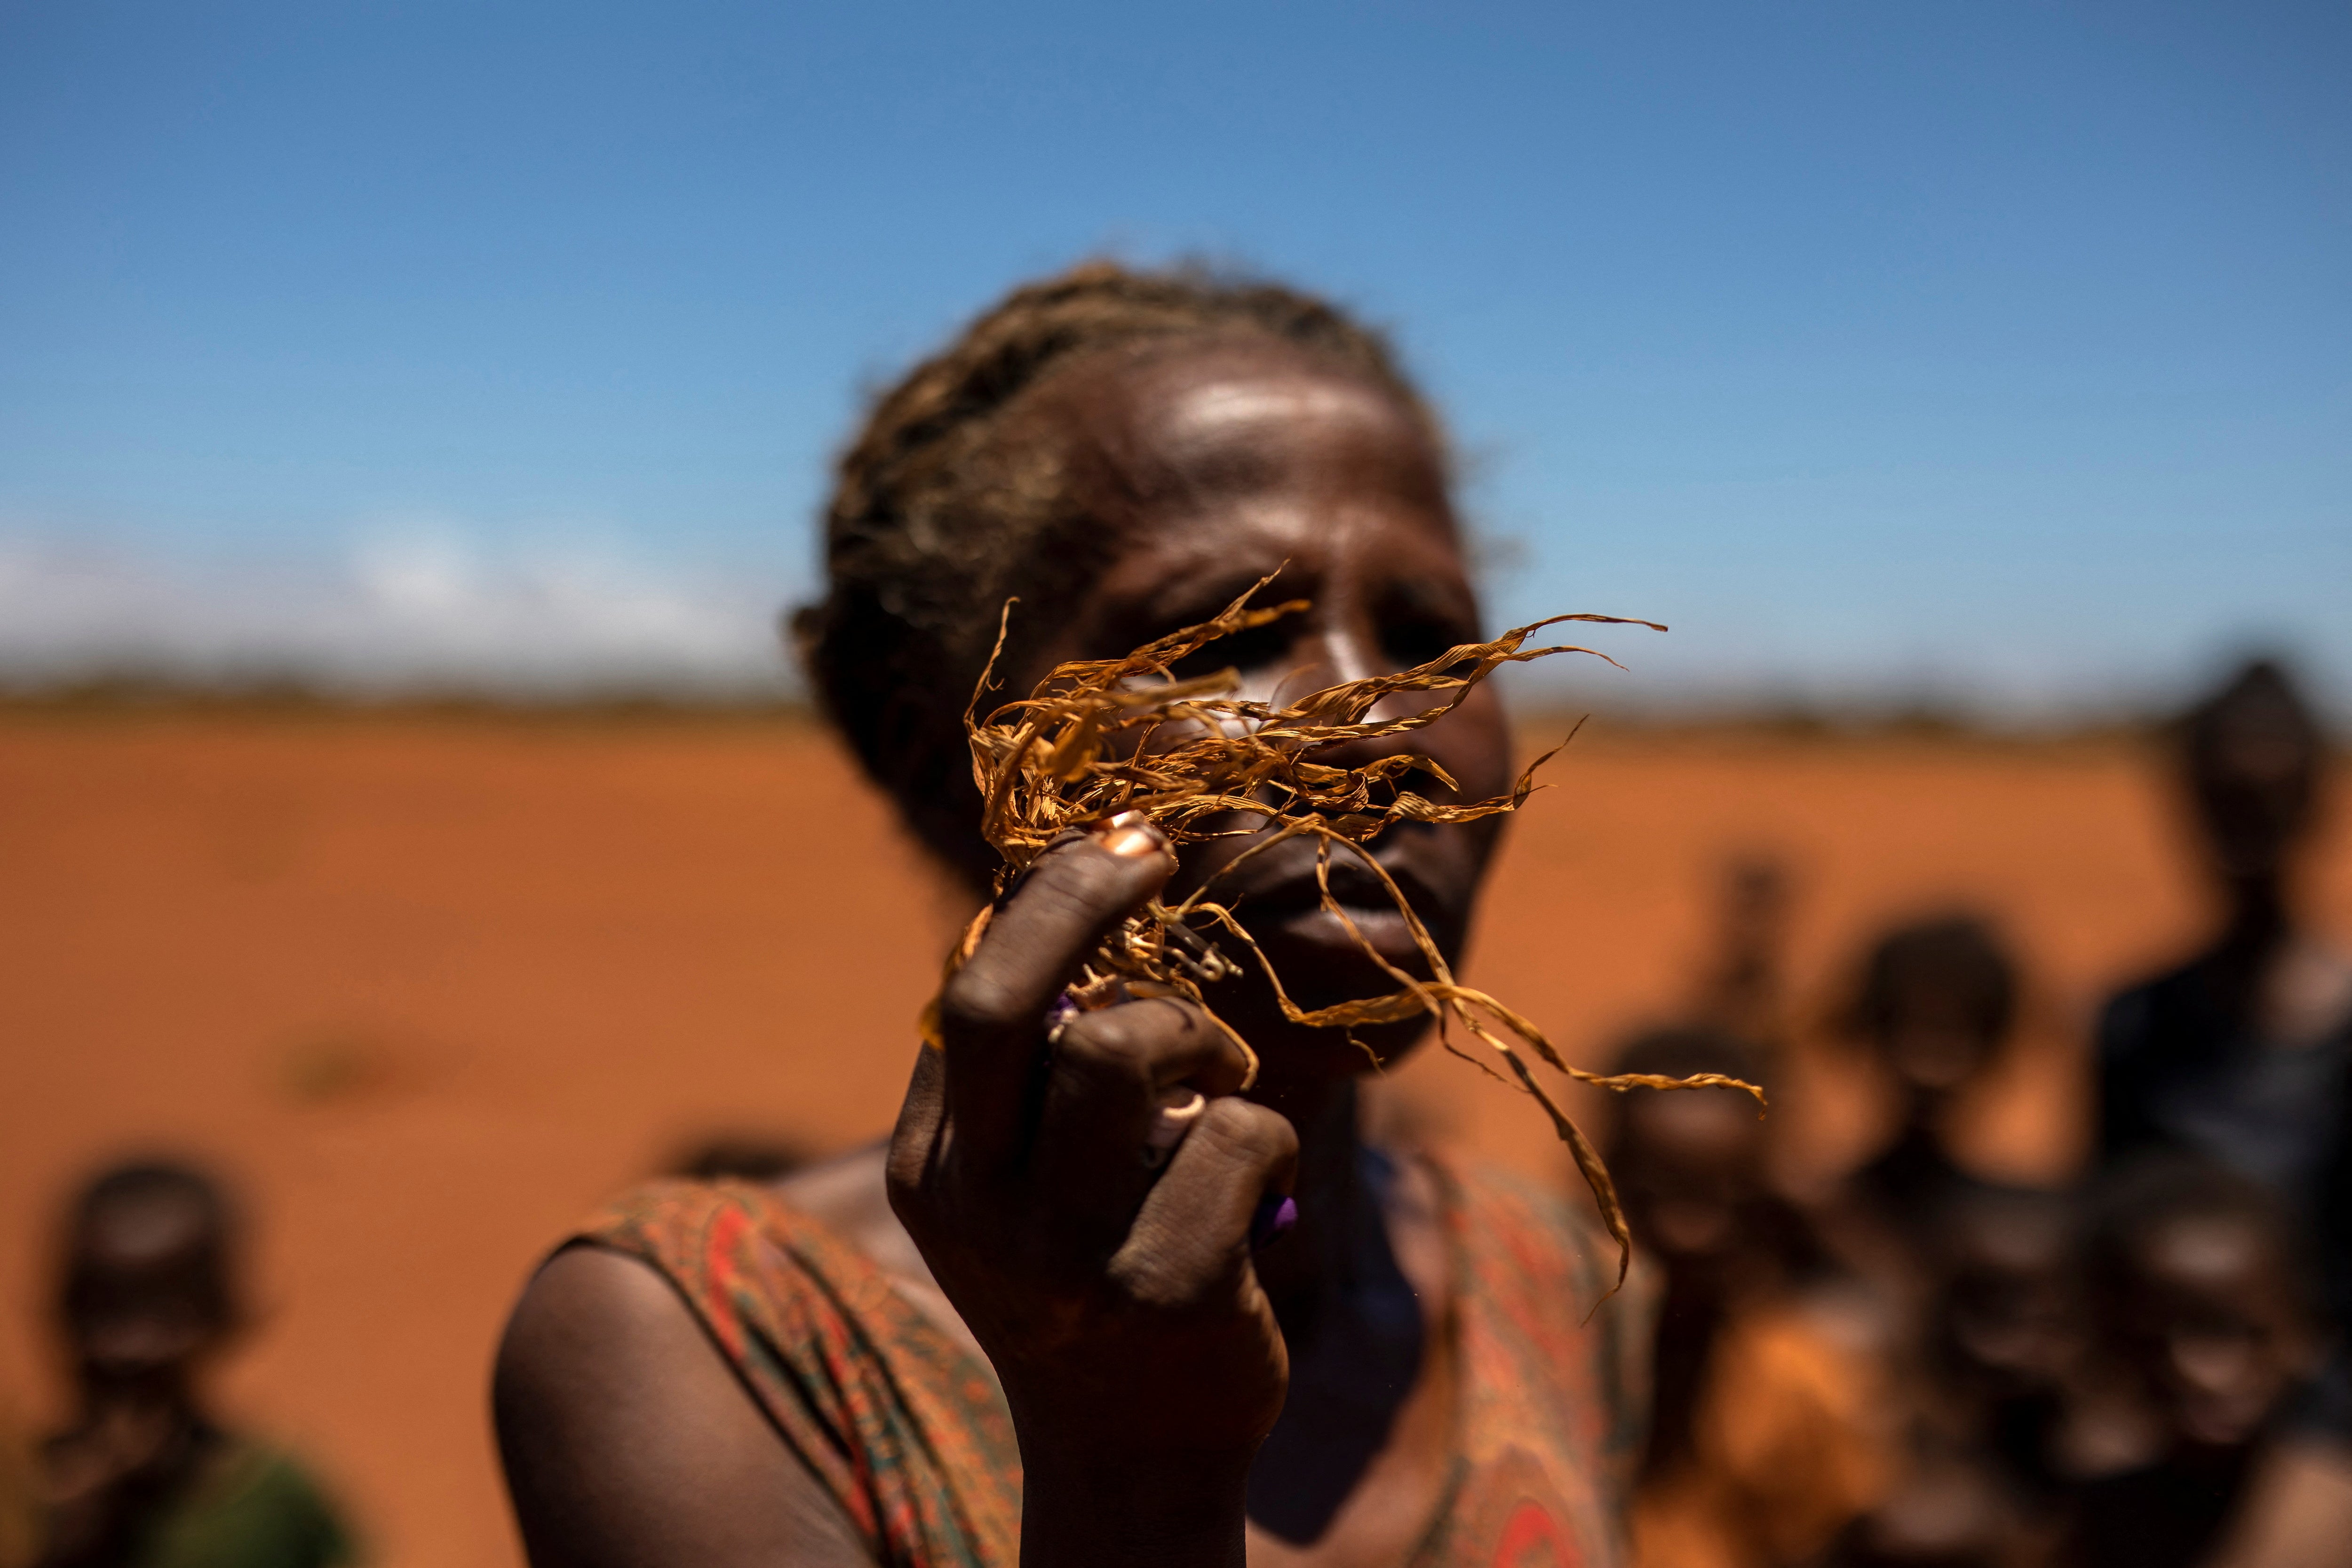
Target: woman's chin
[(1322, 964)]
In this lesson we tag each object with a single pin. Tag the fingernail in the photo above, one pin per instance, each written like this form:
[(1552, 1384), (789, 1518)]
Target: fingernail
[(1276, 1213), (1168, 1127), (1132, 834)]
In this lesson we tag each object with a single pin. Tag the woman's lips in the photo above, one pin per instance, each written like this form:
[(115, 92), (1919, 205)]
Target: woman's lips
[(1283, 901)]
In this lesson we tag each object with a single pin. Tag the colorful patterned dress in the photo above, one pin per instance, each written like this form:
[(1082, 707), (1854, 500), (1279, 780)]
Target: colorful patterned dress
[(909, 1431)]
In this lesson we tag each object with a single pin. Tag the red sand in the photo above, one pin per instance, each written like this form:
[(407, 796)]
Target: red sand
[(430, 988)]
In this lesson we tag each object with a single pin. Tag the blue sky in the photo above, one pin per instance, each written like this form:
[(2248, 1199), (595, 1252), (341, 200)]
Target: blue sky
[(1995, 352)]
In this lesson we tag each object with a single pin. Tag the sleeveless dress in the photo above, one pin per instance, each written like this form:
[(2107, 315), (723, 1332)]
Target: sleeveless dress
[(908, 1430)]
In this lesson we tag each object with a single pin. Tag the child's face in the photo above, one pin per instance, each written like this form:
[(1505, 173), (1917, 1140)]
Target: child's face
[(141, 1311), (2009, 1307), (2209, 1319), (1933, 1041), (1689, 1169)]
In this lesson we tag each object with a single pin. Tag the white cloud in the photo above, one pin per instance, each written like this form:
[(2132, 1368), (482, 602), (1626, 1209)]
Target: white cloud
[(418, 607)]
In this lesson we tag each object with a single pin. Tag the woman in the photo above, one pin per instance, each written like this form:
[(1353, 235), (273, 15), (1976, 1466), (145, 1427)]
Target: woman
[(1014, 1333)]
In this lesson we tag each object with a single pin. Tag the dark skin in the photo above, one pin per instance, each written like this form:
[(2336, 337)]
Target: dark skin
[(2206, 1317), (138, 1340), (1691, 1172), (2002, 1331), (1934, 1051), (1145, 1351), (2253, 800), (1690, 1169), (2007, 1321)]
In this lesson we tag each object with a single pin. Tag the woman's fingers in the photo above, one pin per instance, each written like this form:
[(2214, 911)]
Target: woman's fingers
[(1110, 1073), (990, 1012), (1189, 1242)]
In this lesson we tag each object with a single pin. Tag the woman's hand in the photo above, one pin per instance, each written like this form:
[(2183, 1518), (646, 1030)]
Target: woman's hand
[(1141, 1361)]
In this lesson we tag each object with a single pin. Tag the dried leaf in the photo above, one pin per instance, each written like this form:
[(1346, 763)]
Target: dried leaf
[(1101, 737)]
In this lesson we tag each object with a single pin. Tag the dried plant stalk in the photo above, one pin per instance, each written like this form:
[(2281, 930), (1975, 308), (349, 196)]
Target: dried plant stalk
[(1101, 737)]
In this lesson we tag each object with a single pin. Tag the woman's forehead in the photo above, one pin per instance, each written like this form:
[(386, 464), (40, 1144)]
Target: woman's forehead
[(1217, 463), (1247, 406), (1239, 403)]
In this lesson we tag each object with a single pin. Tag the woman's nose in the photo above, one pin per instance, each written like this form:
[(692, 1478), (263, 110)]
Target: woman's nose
[(1318, 658), (1346, 652)]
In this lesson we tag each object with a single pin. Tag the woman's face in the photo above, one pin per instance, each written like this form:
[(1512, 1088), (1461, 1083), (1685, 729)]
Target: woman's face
[(1211, 467)]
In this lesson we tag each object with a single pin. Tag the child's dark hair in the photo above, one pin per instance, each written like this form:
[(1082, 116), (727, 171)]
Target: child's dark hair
[(1958, 954), (212, 1231), (935, 521)]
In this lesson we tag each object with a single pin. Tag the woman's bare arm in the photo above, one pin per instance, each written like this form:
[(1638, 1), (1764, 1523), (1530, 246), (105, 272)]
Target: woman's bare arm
[(1115, 1295), (629, 1443)]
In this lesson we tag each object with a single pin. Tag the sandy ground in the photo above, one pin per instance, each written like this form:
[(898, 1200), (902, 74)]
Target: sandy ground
[(430, 988)]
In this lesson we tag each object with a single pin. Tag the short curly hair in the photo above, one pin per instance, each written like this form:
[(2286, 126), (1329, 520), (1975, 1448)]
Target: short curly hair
[(936, 519)]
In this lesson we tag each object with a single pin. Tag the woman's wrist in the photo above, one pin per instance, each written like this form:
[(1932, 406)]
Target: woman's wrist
[(1149, 1510)]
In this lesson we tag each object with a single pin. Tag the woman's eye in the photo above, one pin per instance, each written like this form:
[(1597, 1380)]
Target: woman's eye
[(1417, 641), (1256, 648)]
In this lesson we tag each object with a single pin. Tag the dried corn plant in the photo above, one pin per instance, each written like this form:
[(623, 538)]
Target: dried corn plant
[(1098, 738)]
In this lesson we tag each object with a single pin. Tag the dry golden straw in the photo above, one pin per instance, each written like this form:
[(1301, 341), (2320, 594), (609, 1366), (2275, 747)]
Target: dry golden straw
[(1097, 738)]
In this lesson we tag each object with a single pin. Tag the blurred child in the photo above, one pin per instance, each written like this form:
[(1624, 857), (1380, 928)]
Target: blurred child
[(2200, 1297), (1950, 1269), (1982, 1399), (1933, 1009), (144, 1477), (2007, 1332), (2243, 1053), (1761, 1445), (1744, 989), (1937, 1003)]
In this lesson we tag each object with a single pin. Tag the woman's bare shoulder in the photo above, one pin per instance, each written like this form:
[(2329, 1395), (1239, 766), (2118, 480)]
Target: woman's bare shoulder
[(847, 1193), (628, 1443), (850, 1196)]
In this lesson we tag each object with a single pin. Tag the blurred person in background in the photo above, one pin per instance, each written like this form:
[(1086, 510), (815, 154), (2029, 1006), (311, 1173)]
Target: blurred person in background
[(1016, 1333), (1937, 1005), (2202, 1299), (145, 1475), (2242, 1053), (1744, 990), (1933, 1009), (2009, 1330), (2297, 1509), (1764, 1438), (1982, 1403)]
